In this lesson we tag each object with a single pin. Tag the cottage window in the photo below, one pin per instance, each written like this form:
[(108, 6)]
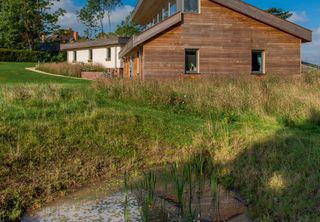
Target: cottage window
[(191, 61), (90, 55), (191, 6), (258, 63), (74, 56), (108, 56)]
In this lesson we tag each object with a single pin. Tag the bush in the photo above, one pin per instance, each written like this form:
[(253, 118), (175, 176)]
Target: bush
[(10, 55)]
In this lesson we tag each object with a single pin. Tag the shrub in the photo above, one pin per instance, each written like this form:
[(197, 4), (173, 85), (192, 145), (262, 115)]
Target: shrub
[(9, 55)]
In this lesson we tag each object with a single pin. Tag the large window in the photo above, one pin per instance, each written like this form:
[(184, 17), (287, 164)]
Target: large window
[(191, 6), (191, 61), (258, 62), (108, 55)]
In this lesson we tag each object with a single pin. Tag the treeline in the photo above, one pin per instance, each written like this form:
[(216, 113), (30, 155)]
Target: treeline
[(14, 55), (22, 22)]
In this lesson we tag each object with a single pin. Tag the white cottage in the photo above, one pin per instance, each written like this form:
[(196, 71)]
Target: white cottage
[(104, 52)]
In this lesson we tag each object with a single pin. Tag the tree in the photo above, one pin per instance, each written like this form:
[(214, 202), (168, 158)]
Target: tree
[(127, 28), (22, 22), (93, 14), (280, 13), (87, 17)]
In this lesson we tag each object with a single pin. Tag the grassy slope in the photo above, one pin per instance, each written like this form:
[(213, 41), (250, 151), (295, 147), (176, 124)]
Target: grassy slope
[(16, 73), (55, 137)]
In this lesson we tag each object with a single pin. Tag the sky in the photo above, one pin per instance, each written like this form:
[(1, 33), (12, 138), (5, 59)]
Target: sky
[(305, 13)]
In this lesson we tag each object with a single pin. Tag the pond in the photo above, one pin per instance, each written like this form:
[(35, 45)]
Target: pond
[(189, 192)]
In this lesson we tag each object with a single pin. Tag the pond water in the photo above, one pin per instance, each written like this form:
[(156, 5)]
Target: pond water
[(172, 195)]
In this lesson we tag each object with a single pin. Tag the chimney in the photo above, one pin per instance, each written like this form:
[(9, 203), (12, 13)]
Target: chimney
[(75, 36)]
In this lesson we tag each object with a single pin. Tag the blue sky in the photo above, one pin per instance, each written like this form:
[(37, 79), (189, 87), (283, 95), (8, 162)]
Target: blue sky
[(305, 13)]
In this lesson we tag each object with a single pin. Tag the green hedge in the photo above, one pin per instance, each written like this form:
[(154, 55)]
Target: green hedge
[(10, 55)]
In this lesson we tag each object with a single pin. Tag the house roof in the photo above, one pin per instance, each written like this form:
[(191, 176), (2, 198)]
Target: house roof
[(95, 43), (304, 34)]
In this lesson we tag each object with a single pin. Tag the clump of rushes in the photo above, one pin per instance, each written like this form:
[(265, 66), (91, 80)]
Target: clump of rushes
[(215, 195), (179, 183), (148, 186), (126, 197)]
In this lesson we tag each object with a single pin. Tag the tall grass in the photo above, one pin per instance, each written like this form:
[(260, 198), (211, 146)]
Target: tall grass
[(66, 69), (275, 96)]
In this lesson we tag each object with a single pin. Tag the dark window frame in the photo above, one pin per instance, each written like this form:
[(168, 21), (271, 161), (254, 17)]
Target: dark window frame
[(90, 55), (194, 12), (108, 54), (263, 63), (197, 51), (74, 57)]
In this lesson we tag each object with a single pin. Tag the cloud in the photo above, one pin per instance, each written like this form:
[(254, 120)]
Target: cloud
[(311, 51), (70, 20), (299, 17)]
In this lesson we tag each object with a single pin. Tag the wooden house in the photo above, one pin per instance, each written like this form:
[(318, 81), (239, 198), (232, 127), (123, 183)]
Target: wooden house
[(203, 38)]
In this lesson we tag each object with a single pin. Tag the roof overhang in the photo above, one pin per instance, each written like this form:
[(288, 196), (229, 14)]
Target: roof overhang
[(304, 34), (150, 33), (95, 43), (145, 10)]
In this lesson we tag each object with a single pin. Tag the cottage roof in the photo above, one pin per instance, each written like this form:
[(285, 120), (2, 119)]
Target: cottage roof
[(95, 43)]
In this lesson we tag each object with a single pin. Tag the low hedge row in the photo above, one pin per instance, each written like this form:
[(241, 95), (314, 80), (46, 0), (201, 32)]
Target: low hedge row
[(10, 55)]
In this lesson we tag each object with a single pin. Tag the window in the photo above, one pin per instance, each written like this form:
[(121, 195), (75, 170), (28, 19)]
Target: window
[(173, 7), (74, 56), (90, 55), (165, 12), (191, 6), (191, 61), (258, 62), (108, 56)]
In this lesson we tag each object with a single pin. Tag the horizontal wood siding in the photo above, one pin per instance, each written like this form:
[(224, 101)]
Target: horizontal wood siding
[(225, 39)]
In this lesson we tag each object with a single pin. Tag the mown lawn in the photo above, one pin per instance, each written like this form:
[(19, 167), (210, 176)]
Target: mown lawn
[(54, 137), (13, 73)]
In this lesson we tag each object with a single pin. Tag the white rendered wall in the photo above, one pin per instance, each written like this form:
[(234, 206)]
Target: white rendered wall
[(99, 56), (83, 56), (70, 56)]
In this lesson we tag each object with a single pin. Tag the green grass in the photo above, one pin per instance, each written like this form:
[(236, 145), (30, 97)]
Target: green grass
[(262, 135), (13, 73)]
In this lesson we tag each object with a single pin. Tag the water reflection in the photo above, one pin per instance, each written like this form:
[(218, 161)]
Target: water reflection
[(187, 193)]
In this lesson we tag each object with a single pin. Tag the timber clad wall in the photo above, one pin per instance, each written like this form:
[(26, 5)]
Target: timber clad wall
[(225, 40)]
